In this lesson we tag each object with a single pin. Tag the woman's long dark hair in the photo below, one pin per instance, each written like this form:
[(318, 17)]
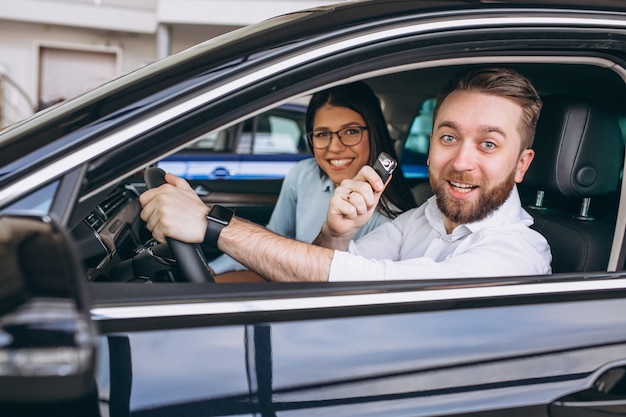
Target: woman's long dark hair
[(359, 97)]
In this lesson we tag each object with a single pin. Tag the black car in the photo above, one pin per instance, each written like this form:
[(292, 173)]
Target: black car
[(92, 324)]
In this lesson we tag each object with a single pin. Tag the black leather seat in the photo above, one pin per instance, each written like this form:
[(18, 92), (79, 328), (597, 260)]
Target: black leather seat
[(579, 157)]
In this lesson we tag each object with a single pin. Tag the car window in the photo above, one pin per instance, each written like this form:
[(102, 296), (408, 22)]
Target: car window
[(271, 133), (283, 136), (415, 150), (36, 203), (248, 150), (210, 142)]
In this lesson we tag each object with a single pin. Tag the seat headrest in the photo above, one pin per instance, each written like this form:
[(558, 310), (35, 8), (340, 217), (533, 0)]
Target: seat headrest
[(578, 149)]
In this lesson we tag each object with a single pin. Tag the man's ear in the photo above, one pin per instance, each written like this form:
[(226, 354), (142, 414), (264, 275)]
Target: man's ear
[(523, 163)]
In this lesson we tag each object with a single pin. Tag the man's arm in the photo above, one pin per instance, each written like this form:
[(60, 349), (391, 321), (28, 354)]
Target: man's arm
[(281, 259), (174, 210), (274, 256)]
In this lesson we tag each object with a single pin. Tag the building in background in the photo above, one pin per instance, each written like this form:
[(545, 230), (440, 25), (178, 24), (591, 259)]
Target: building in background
[(51, 50)]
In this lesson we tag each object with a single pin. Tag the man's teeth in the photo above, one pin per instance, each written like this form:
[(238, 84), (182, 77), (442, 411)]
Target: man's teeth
[(339, 162), (464, 188)]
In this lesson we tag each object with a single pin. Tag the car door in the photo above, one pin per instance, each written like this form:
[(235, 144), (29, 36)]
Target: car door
[(496, 349)]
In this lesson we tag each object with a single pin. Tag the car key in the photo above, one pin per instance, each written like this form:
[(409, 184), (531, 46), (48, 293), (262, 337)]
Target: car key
[(384, 166)]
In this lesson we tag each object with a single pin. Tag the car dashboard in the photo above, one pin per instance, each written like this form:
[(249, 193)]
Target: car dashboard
[(112, 234)]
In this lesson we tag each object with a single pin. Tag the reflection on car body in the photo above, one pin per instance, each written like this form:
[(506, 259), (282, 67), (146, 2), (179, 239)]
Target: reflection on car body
[(504, 346)]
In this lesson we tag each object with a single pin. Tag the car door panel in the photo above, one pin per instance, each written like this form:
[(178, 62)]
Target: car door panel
[(490, 356), (251, 199)]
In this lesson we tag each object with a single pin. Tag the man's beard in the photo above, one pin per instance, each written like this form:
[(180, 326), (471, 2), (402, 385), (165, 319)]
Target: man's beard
[(466, 211)]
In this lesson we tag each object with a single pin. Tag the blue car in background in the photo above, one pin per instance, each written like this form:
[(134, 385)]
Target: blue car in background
[(268, 145), (263, 147)]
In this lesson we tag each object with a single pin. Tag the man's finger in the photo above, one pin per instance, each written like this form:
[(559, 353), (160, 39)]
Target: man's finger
[(178, 182)]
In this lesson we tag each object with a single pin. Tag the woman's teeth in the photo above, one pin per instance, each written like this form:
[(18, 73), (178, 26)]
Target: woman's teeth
[(339, 162)]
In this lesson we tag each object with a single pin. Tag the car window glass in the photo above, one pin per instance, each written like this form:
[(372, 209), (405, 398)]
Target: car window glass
[(247, 131), (415, 150), (37, 203), (281, 137), (247, 150), (208, 142)]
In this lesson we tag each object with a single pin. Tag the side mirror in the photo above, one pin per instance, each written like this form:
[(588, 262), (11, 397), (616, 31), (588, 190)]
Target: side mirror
[(47, 339)]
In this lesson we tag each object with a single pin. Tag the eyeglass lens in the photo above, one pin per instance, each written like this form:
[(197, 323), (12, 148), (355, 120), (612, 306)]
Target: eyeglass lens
[(349, 136)]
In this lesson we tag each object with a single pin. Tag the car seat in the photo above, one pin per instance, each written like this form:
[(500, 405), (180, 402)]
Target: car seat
[(578, 157)]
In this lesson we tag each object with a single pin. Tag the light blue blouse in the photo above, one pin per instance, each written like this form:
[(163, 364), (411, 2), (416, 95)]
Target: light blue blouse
[(300, 210)]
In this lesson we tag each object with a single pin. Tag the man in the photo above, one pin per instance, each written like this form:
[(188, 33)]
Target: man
[(483, 128)]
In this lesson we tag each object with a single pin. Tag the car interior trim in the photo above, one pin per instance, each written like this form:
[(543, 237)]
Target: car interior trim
[(354, 300), (620, 226)]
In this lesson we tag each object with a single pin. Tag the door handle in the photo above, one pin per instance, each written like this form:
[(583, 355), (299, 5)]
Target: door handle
[(606, 397)]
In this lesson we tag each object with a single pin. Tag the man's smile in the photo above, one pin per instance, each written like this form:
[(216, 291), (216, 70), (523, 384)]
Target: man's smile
[(462, 187)]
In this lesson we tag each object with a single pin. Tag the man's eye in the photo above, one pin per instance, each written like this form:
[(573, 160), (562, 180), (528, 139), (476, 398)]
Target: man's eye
[(489, 145), (448, 138)]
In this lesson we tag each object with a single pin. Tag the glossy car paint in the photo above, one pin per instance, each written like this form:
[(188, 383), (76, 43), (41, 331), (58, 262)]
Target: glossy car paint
[(493, 347), (417, 352)]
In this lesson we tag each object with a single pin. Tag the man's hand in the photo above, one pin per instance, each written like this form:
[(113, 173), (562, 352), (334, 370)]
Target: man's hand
[(351, 206), (174, 210)]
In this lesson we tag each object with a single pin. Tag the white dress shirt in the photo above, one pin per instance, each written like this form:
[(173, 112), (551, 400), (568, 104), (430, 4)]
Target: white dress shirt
[(416, 245)]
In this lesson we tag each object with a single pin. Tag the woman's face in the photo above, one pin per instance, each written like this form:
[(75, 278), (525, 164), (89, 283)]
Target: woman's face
[(338, 161)]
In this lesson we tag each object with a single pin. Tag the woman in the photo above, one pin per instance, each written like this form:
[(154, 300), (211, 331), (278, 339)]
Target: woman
[(345, 130)]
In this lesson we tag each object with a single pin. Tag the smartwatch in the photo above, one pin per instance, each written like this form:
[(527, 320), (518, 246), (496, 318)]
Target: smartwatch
[(218, 218)]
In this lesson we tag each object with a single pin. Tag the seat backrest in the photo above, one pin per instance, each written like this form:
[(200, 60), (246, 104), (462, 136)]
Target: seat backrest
[(578, 156)]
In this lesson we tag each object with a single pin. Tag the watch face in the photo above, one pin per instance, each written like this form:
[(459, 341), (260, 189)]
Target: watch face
[(221, 214)]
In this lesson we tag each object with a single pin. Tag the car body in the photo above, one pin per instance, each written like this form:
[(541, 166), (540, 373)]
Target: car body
[(85, 311)]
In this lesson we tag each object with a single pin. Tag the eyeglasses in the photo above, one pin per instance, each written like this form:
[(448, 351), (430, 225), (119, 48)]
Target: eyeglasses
[(349, 136)]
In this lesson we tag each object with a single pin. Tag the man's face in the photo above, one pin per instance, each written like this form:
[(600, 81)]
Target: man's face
[(474, 159)]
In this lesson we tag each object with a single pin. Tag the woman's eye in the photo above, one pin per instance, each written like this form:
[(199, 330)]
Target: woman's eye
[(321, 135), (350, 132)]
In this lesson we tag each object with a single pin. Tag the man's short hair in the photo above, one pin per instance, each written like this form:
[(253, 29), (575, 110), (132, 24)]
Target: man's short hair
[(502, 82)]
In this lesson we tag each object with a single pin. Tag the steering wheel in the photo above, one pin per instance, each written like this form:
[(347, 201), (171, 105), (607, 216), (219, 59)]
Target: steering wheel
[(189, 256)]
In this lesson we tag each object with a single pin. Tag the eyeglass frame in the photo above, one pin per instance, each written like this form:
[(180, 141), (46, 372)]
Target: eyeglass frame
[(309, 136)]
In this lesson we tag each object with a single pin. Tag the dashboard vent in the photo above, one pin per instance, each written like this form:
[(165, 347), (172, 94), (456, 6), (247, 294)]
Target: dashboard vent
[(107, 209)]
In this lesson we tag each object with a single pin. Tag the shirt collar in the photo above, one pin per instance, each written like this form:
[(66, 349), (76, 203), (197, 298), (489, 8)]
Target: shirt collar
[(509, 212), (327, 184)]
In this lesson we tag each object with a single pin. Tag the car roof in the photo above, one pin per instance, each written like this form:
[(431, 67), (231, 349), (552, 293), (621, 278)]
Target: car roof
[(50, 130)]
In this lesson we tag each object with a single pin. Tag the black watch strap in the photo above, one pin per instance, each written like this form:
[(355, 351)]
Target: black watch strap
[(218, 218)]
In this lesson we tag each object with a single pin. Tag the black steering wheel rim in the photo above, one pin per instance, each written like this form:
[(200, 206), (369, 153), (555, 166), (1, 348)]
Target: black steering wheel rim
[(189, 256)]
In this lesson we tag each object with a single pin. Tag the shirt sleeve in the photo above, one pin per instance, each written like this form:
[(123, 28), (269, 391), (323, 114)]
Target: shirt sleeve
[(503, 253)]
